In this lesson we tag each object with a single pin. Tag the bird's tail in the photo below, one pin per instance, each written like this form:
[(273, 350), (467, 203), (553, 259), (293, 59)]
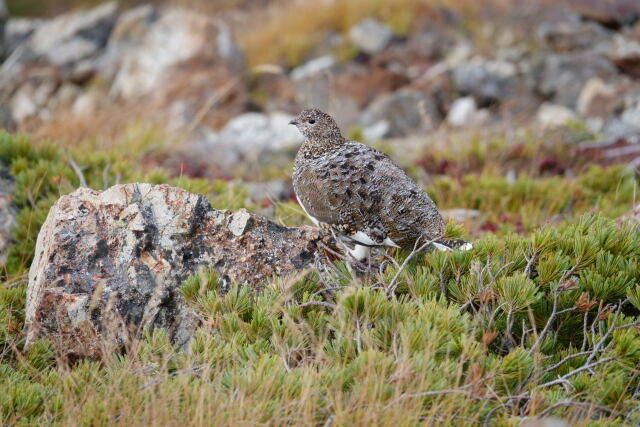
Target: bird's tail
[(449, 245)]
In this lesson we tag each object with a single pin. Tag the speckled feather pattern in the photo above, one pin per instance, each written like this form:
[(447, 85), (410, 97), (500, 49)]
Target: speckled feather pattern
[(355, 188)]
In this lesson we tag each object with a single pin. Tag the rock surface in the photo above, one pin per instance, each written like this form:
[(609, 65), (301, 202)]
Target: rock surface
[(7, 211), (252, 139), (108, 264), (148, 46), (370, 36), (66, 33), (609, 12), (565, 75), (182, 68), (405, 112), (487, 81), (464, 112), (597, 99), (553, 116)]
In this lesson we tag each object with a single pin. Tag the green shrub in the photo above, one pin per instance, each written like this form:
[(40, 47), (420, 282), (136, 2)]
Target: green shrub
[(534, 321)]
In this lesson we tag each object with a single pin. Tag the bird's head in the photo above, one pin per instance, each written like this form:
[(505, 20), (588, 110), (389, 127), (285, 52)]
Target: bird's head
[(317, 126)]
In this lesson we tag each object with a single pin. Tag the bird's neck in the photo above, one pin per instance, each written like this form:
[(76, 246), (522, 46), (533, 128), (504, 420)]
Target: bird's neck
[(315, 147)]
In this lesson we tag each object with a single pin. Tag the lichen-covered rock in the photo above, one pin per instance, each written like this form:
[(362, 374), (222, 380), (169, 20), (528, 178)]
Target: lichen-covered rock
[(108, 264), (7, 211)]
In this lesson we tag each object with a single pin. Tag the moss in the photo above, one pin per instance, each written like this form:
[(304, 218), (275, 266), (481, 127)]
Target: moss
[(529, 202)]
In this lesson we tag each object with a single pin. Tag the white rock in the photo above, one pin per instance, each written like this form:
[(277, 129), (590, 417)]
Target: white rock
[(597, 99), (17, 30), (370, 36), (28, 100), (462, 112), (460, 54), (545, 422), (65, 27), (239, 221), (176, 36), (228, 49), (406, 111), (631, 116), (257, 131), (624, 47), (461, 214), (376, 131), (313, 67), (22, 107), (85, 104), (71, 51), (486, 80), (551, 116)]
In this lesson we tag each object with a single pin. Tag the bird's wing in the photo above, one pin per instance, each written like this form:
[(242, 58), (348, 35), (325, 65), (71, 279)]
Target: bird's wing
[(316, 197), (362, 191)]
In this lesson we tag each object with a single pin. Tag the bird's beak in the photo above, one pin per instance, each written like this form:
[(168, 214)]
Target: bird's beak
[(293, 122)]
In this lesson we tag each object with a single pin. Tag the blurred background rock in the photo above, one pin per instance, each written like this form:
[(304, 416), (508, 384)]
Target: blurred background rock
[(209, 86)]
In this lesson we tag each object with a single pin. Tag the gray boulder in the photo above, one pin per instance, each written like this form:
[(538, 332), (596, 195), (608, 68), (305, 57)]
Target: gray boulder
[(18, 30), (465, 112), (551, 116), (108, 264), (370, 36), (148, 43), (130, 28), (486, 81), (312, 68), (564, 75), (567, 32), (247, 141), (74, 36), (7, 211), (609, 12), (405, 111), (254, 134), (626, 55), (598, 99)]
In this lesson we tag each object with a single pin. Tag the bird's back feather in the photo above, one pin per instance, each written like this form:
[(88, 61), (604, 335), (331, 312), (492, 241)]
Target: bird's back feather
[(358, 189)]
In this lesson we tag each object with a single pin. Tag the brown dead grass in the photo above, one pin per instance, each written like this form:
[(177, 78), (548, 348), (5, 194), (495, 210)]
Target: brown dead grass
[(101, 127), (287, 31)]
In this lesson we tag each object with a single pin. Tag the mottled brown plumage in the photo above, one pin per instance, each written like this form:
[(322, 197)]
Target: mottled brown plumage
[(359, 191)]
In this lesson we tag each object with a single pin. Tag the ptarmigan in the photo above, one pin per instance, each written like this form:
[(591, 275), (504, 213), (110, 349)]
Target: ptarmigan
[(360, 193)]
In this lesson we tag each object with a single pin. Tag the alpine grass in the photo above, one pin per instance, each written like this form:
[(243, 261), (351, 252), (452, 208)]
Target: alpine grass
[(534, 321)]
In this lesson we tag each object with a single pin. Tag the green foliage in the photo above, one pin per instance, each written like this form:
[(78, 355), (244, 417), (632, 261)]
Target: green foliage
[(532, 201), (42, 174), (532, 320)]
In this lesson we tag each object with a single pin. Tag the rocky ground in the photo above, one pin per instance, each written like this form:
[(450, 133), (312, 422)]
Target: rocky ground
[(541, 66), (154, 264)]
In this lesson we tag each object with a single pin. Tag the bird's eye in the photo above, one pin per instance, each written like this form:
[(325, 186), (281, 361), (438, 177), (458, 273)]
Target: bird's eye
[(311, 121)]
